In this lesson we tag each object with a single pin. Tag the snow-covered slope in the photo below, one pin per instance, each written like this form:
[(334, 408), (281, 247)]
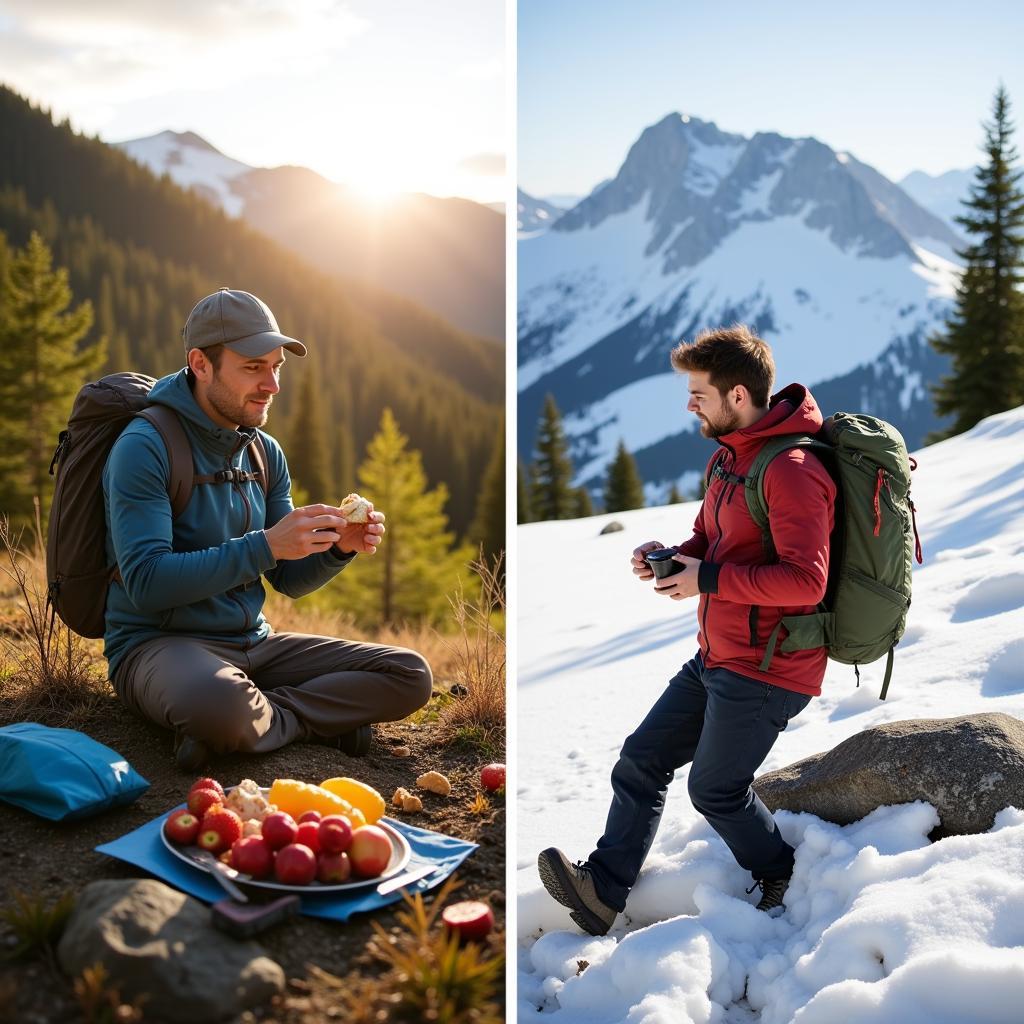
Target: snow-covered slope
[(820, 253), (883, 927)]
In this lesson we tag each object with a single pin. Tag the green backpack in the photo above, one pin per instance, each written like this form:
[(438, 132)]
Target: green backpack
[(864, 611)]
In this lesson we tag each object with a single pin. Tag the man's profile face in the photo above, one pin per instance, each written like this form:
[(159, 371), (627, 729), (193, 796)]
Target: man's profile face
[(242, 389), (712, 409)]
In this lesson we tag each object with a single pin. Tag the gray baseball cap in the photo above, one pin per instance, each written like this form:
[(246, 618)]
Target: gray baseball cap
[(238, 320)]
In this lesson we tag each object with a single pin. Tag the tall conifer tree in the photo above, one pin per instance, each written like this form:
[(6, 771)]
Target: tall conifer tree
[(414, 569), (623, 488), (551, 495), (41, 370), (985, 334), (584, 506)]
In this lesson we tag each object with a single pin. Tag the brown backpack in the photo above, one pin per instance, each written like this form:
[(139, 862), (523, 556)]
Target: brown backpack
[(77, 571)]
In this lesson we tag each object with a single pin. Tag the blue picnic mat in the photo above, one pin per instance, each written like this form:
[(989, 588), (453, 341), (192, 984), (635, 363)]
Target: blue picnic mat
[(145, 849)]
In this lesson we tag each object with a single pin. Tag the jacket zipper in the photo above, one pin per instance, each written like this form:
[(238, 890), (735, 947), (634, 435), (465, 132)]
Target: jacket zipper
[(718, 527)]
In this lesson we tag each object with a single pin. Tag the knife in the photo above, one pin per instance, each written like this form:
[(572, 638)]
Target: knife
[(399, 881), (221, 873)]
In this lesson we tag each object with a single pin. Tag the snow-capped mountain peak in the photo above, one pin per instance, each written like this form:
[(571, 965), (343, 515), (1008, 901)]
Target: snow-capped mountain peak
[(193, 163)]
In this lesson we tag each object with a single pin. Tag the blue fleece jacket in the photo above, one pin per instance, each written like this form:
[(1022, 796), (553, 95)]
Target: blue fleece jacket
[(199, 575)]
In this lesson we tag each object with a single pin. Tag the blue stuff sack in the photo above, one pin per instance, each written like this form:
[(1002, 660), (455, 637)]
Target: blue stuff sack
[(62, 774)]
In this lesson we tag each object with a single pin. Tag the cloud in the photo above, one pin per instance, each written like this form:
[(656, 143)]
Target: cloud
[(482, 70), (487, 165), (89, 54)]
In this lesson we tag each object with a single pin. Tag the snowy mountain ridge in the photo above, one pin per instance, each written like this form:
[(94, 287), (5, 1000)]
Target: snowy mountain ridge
[(833, 264)]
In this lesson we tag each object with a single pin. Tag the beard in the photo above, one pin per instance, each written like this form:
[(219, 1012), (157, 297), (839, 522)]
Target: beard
[(724, 423), (229, 406)]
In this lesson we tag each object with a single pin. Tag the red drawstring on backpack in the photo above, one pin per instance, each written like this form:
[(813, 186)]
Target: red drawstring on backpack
[(917, 540), (878, 509)]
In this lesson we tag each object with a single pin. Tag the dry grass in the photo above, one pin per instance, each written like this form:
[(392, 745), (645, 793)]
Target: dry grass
[(477, 652), (48, 673)]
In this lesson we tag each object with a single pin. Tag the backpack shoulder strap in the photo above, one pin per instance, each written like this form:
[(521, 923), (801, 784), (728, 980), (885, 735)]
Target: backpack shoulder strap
[(258, 455), (179, 452), (754, 482)]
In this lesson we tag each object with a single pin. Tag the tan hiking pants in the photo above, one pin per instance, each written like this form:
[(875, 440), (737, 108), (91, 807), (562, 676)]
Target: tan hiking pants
[(290, 686)]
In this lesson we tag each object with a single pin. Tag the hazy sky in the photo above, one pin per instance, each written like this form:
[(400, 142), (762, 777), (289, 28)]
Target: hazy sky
[(385, 94), (903, 85)]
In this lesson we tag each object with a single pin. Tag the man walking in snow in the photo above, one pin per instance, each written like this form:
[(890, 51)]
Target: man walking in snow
[(724, 709)]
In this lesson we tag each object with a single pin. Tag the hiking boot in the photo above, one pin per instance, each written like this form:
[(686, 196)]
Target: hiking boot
[(190, 754), (355, 742), (772, 893), (573, 886)]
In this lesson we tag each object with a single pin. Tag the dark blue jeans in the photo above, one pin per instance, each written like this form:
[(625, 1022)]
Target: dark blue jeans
[(725, 724)]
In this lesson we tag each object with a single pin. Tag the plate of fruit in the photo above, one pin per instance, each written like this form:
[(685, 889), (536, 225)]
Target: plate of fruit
[(292, 836)]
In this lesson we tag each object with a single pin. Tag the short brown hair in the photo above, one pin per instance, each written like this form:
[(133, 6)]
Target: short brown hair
[(730, 356)]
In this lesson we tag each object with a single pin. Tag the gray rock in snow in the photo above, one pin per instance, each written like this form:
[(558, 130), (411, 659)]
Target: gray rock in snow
[(968, 768)]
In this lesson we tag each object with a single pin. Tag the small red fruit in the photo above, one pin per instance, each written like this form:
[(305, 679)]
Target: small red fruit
[(309, 816), (308, 834), (201, 800), (492, 777), (220, 828), (333, 868), (252, 855), (370, 851), (182, 827), (469, 920), (335, 833), (295, 864), (207, 783), (279, 829)]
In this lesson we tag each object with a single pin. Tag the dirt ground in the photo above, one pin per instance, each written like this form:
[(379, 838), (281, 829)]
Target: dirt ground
[(48, 858)]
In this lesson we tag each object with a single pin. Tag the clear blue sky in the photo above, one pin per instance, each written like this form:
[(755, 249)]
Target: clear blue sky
[(903, 85)]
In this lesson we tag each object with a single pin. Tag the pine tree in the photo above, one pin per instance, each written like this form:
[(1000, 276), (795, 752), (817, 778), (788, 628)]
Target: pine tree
[(675, 497), (41, 370), (551, 494), (414, 569), (308, 444), (623, 488), (584, 506), (524, 514), (488, 527), (985, 333), (344, 459)]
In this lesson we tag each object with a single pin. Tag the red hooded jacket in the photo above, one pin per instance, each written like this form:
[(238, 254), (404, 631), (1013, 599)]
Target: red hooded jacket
[(743, 597)]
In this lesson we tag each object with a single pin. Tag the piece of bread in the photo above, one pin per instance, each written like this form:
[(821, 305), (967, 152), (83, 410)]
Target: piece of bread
[(355, 509)]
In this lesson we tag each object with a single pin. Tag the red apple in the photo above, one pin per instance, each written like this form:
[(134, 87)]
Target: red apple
[(279, 829), (492, 777), (308, 833), (295, 864), (370, 851), (253, 856), (333, 867), (335, 833), (309, 816), (182, 827), (469, 920)]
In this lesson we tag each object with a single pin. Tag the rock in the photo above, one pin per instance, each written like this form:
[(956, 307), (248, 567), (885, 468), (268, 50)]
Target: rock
[(613, 527), (401, 751), (458, 690), (158, 942), (968, 768)]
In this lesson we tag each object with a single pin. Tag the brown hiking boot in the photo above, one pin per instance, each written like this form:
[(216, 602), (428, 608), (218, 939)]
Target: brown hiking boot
[(573, 887), (772, 893)]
